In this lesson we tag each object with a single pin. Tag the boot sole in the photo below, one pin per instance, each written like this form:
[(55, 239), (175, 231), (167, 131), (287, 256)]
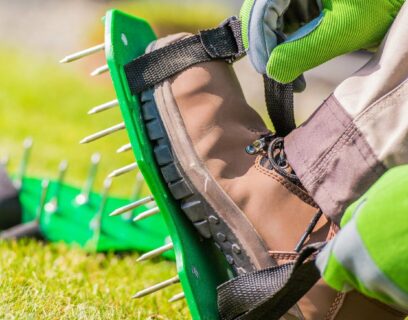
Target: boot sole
[(244, 256), (194, 206)]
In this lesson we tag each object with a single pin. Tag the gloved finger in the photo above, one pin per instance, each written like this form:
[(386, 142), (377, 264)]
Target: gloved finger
[(343, 26), (261, 29)]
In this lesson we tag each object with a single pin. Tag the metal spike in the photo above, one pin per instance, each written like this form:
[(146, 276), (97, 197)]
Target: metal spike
[(137, 190), (155, 253), (121, 171), (52, 205), (124, 148), (27, 145), (136, 195), (100, 70), (96, 223), (177, 297), (107, 184), (83, 197), (103, 107), (147, 214), (157, 287), (103, 133), (83, 53), (131, 206), (44, 190), (97, 220)]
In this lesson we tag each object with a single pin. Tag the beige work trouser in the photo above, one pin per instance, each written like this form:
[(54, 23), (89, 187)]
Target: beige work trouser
[(360, 131)]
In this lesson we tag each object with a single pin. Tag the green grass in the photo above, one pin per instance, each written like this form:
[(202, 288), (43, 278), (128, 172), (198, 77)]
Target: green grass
[(40, 281), (48, 102)]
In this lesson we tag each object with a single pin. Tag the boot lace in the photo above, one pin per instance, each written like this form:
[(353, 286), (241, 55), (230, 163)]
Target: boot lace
[(273, 146)]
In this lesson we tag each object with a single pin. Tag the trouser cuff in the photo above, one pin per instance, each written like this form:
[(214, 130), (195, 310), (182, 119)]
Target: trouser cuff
[(332, 159)]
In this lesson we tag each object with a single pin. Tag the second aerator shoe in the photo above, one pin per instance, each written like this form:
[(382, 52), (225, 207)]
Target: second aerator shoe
[(242, 195)]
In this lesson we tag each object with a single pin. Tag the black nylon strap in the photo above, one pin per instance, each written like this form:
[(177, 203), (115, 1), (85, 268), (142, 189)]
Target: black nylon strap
[(279, 103), (224, 42), (270, 293)]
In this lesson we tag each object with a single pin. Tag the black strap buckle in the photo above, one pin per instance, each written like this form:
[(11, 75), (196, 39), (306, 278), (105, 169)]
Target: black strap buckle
[(224, 42)]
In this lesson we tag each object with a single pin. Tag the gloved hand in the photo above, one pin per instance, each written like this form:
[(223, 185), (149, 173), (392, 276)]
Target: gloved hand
[(343, 26), (370, 253)]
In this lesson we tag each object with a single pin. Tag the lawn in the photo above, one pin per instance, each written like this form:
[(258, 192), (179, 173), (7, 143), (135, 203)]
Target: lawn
[(52, 281), (48, 102)]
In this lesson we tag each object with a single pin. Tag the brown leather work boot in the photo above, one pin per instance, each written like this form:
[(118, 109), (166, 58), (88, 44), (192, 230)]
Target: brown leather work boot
[(252, 206)]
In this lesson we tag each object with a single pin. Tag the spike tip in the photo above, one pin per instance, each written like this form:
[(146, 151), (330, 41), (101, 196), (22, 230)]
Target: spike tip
[(84, 53), (157, 287), (177, 297), (123, 170), (103, 133), (100, 70), (131, 206), (147, 214), (103, 107), (155, 253)]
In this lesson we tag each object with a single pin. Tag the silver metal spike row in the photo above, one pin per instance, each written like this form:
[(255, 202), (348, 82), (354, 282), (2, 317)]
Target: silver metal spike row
[(52, 205), (103, 107), (157, 287), (155, 253), (83, 53), (177, 297), (124, 148), (44, 191), (123, 170), (100, 70), (83, 197), (27, 145), (103, 133), (131, 206), (147, 214)]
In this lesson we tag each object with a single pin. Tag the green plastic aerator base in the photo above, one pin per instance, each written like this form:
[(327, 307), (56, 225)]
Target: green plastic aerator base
[(87, 225), (201, 267)]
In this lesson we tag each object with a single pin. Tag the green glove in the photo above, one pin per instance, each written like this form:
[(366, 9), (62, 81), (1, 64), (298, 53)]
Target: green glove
[(343, 26), (370, 253)]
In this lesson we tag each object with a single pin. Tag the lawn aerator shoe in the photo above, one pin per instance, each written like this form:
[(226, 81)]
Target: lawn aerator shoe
[(221, 179), (234, 183)]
